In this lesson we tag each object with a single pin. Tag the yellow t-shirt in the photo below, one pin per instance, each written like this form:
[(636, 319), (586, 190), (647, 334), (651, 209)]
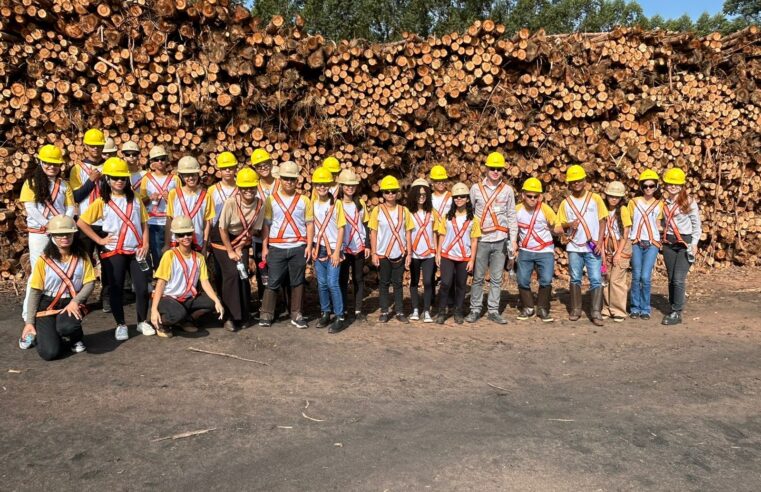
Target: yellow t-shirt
[(164, 271), (95, 212), (37, 280), (28, 195), (408, 222), (208, 205), (475, 227), (306, 202)]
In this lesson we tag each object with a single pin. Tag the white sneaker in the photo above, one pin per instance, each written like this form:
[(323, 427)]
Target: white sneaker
[(145, 328), (78, 347), (415, 315), (427, 317), (27, 342), (122, 333)]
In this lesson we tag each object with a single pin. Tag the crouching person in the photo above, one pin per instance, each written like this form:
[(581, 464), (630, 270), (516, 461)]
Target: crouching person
[(62, 279), (176, 300)]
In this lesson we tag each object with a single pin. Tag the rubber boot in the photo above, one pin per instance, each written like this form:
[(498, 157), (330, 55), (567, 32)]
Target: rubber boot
[(596, 311), (526, 310), (575, 291), (543, 304), (267, 312), (297, 294)]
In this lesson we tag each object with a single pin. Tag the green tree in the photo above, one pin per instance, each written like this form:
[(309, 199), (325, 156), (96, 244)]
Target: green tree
[(749, 10)]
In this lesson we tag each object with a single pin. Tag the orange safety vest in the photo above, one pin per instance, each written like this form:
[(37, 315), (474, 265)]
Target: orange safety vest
[(444, 201), (458, 236), (353, 230), (488, 209), (531, 233), (669, 213), (322, 227), (395, 229), (422, 233), (288, 213), (50, 210), (66, 284), (163, 188), (645, 222), (126, 225), (580, 217), (610, 237), (190, 287), (95, 193)]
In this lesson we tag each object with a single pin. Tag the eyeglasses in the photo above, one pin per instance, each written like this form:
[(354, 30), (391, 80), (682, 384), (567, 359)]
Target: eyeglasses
[(389, 192), (180, 235), (422, 195), (266, 165), (321, 185), (461, 197), (189, 175), (118, 178), (531, 197), (288, 179), (648, 187)]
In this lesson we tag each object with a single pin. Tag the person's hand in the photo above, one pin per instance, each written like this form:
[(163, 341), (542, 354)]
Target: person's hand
[(165, 195), (691, 249), (514, 245), (315, 252), (205, 249), (572, 226), (376, 260), (265, 252), (28, 330), (367, 253), (103, 241), (73, 308), (219, 309), (617, 260), (438, 260), (155, 196), (233, 255), (155, 318), (335, 260), (94, 175), (407, 262), (469, 266), (308, 254), (598, 249), (142, 252)]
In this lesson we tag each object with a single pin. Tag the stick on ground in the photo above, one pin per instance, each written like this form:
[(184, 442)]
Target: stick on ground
[(222, 354), (183, 435)]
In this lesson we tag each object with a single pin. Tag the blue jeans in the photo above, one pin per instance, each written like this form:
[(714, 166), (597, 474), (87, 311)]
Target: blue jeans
[(155, 243), (593, 263), (327, 284), (544, 264), (643, 262)]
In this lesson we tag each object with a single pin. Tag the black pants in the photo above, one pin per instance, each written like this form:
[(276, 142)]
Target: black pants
[(427, 266), (391, 273), (173, 311), (51, 329), (285, 263), (116, 268), (355, 264), (454, 274), (677, 267), (91, 247), (235, 292)]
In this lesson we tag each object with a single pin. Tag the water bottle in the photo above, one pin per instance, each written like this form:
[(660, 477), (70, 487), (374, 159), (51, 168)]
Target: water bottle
[(242, 270), (262, 266), (592, 245), (690, 256), (144, 266)]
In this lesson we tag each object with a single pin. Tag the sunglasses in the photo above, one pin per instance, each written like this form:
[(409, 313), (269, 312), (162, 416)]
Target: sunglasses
[(461, 197), (321, 185), (158, 159), (180, 235), (389, 192), (62, 234), (648, 187), (131, 154), (188, 176), (118, 178), (531, 197), (288, 180)]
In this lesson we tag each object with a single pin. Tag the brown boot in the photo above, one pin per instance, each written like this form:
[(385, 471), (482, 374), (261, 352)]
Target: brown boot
[(526, 309), (543, 304), (575, 291), (595, 312), (267, 312)]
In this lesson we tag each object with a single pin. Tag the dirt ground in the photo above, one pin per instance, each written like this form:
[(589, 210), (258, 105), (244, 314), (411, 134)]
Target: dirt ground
[(529, 406)]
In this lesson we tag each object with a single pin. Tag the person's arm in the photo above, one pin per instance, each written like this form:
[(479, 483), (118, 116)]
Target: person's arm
[(74, 307), (158, 293), (33, 212), (265, 241), (337, 250), (206, 232), (32, 306), (374, 247), (168, 233), (209, 290), (84, 190), (310, 239), (473, 252), (84, 226), (408, 252), (512, 219), (697, 230), (231, 253), (143, 251)]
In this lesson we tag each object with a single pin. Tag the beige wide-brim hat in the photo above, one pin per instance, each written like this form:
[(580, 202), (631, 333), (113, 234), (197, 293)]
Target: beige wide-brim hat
[(348, 177), (615, 188), (289, 169), (182, 224)]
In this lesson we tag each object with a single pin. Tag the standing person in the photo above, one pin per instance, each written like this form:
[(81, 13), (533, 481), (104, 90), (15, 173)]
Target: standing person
[(331, 164), (191, 200), (646, 212), (288, 229), (356, 247), (329, 224), (268, 183), (391, 243), (617, 250), (62, 279), (176, 300), (682, 231), (44, 195), (426, 222), (441, 199), (494, 205), (125, 246), (131, 154), (536, 221), (85, 184), (226, 187), (581, 216), (154, 190), (456, 251), (239, 220)]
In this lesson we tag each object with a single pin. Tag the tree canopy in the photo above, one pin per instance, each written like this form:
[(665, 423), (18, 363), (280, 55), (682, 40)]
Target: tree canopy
[(386, 20)]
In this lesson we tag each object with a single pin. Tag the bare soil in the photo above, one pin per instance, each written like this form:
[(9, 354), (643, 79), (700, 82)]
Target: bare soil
[(529, 406)]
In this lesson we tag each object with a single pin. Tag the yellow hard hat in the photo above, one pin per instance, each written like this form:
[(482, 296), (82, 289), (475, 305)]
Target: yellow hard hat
[(674, 176), (533, 185), (289, 169), (575, 173), (157, 151), (110, 146), (246, 178), (93, 136), (181, 224), (460, 189), (438, 173), (61, 224), (322, 175), (188, 165), (389, 183), (226, 159), (332, 165), (116, 167), (649, 174), (495, 160), (259, 156), (615, 188), (50, 154), (348, 177)]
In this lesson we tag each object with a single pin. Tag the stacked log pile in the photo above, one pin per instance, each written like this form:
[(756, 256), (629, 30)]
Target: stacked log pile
[(202, 77)]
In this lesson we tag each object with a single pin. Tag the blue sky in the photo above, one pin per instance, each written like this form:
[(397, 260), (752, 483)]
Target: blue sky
[(670, 9)]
